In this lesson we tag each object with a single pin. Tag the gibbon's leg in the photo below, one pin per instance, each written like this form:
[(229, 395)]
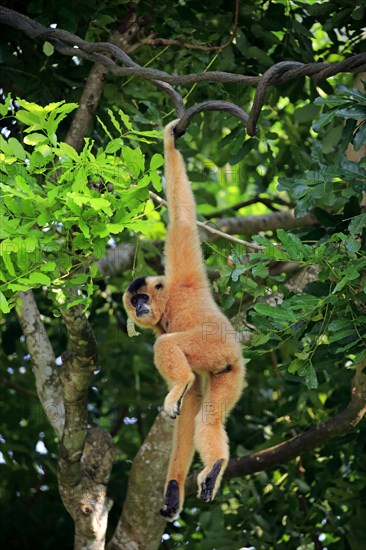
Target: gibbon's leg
[(182, 453), (172, 364), (211, 440)]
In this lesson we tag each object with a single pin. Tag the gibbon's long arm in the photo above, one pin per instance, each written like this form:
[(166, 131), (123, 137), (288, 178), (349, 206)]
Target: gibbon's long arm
[(195, 343), (183, 256)]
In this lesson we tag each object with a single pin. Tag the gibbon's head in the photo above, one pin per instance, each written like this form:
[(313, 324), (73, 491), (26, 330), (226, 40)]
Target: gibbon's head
[(145, 300)]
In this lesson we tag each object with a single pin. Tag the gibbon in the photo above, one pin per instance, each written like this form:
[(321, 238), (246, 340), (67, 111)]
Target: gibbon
[(196, 350)]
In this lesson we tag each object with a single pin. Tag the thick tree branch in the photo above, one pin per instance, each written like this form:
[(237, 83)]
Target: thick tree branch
[(79, 363), (86, 456), (250, 225), (113, 57), (43, 358), (313, 438), (141, 525)]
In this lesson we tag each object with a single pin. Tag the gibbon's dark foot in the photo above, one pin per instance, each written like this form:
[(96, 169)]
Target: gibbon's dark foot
[(174, 410), (171, 502), (208, 485)]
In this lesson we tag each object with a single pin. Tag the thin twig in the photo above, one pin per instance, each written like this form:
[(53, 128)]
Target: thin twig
[(210, 229)]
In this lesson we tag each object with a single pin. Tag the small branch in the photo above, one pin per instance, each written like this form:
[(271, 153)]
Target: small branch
[(18, 388), (185, 120), (212, 230), (43, 359), (153, 40), (313, 438), (269, 203)]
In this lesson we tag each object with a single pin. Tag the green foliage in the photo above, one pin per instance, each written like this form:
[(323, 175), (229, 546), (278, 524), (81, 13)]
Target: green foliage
[(59, 208), (328, 318)]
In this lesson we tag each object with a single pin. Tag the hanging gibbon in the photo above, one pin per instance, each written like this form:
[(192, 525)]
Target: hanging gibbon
[(196, 350)]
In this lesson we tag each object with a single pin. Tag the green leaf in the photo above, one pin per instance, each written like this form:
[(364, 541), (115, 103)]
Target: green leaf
[(156, 181), (99, 248), (114, 145), (125, 119), (65, 150), (157, 160), (360, 137), (292, 245), (357, 224), (260, 270), (48, 48), (39, 278), (114, 121), (238, 271), (84, 228), (308, 371), (4, 304), (34, 139), (16, 148), (134, 160), (323, 120), (8, 263), (276, 312), (353, 169), (115, 227), (352, 112), (5, 106), (337, 336), (350, 275), (49, 266)]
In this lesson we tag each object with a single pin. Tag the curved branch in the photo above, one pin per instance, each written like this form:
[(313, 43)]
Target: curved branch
[(307, 441), (271, 75), (231, 108), (60, 38), (65, 42), (313, 438)]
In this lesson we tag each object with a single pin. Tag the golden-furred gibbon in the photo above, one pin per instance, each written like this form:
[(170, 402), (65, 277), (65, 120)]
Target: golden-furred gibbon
[(196, 350)]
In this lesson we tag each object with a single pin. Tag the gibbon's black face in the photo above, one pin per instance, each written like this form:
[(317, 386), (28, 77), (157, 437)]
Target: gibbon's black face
[(145, 300), (139, 302)]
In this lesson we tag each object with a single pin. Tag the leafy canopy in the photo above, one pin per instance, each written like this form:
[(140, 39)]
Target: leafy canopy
[(59, 208)]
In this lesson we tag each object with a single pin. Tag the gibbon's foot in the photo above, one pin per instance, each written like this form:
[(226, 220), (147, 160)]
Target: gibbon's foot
[(208, 484), (171, 503), (172, 405)]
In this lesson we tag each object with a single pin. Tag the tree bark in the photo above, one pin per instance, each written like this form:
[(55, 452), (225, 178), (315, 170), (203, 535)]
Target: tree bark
[(43, 359), (141, 525)]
